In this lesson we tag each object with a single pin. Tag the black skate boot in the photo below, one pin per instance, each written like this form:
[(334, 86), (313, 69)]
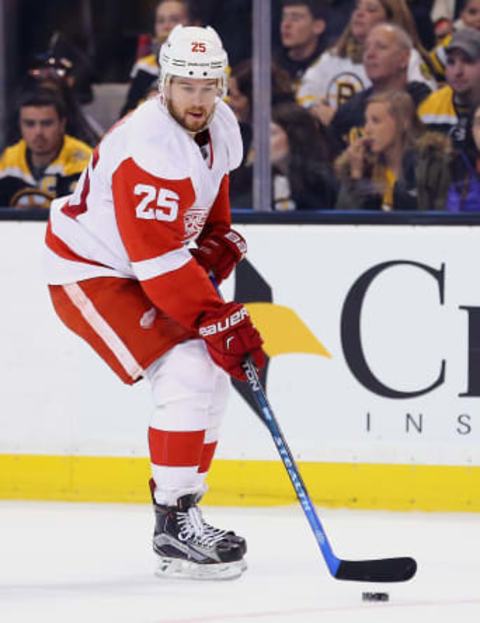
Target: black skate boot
[(189, 547)]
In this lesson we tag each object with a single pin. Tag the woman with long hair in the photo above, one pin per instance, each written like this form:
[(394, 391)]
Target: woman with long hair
[(301, 173), (339, 73), (240, 100), (396, 164), (302, 176)]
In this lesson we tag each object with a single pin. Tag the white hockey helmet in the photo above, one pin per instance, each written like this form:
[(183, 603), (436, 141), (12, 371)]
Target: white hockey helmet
[(194, 52)]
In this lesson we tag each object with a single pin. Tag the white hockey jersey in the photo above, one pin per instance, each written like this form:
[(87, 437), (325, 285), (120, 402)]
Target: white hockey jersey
[(337, 78), (146, 192)]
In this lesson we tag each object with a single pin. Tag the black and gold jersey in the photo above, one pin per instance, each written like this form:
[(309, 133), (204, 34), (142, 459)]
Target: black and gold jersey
[(440, 112), (23, 187)]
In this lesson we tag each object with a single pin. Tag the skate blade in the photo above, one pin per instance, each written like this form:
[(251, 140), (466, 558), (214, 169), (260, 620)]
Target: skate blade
[(178, 568)]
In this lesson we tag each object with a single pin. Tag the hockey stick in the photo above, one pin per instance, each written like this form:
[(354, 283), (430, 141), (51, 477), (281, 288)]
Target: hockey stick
[(381, 570)]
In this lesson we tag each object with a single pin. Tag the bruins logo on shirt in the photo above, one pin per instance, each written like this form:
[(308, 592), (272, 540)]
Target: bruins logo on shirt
[(343, 87), (27, 198)]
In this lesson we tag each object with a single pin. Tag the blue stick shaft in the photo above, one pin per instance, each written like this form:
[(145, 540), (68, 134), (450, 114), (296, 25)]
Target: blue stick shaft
[(398, 569), (289, 462), (333, 563)]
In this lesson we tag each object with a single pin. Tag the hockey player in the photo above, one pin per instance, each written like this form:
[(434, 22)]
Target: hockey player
[(122, 277)]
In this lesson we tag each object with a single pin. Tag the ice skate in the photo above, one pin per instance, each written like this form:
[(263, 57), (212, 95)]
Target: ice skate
[(188, 547)]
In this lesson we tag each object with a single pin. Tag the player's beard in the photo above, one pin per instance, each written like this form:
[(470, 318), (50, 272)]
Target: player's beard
[(188, 121)]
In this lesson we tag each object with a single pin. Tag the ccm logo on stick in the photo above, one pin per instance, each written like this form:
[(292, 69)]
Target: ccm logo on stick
[(228, 323)]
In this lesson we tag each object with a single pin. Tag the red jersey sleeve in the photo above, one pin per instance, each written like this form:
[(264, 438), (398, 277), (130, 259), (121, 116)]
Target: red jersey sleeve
[(150, 216)]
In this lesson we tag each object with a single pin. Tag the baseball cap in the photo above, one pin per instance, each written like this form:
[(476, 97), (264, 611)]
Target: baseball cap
[(467, 40)]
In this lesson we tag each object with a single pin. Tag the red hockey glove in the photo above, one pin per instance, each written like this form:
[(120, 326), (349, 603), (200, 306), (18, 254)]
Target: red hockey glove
[(220, 253), (230, 337)]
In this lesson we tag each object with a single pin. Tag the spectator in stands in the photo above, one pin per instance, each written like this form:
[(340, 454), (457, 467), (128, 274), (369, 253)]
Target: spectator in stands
[(449, 109), (395, 165), (144, 75), (386, 57), (46, 163), (469, 18), (57, 73), (464, 193), (339, 73), (302, 178), (469, 15), (240, 96), (301, 29)]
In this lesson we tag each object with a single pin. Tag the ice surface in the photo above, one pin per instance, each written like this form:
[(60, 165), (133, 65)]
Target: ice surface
[(90, 563)]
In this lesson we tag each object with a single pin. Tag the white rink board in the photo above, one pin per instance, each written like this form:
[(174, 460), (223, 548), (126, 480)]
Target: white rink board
[(58, 398)]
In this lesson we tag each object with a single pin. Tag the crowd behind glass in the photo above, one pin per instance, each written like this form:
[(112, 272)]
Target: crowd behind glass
[(375, 106)]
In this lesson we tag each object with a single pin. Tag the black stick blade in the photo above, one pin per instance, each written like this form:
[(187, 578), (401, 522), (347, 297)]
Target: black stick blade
[(384, 570)]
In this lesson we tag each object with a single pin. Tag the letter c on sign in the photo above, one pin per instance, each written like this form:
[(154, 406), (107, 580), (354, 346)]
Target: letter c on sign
[(351, 336)]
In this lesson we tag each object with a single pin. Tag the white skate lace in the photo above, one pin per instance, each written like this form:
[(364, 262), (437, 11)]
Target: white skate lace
[(193, 527)]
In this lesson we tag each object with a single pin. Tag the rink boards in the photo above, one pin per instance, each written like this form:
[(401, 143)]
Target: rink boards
[(373, 337)]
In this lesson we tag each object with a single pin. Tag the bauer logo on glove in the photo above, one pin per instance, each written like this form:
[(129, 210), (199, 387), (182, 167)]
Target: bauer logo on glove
[(224, 325), (230, 338)]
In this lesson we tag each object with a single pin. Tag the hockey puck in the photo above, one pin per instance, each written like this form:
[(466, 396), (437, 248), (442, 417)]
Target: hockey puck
[(375, 597)]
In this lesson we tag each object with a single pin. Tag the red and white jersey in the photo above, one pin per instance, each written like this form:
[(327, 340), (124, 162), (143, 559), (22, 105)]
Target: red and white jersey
[(146, 192)]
